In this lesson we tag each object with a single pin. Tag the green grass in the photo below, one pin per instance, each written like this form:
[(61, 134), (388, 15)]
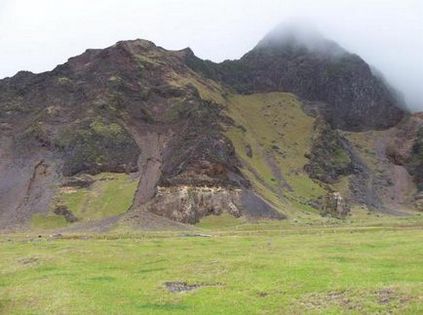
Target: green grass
[(263, 268), (275, 127), (223, 221), (111, 194), (50, 221)]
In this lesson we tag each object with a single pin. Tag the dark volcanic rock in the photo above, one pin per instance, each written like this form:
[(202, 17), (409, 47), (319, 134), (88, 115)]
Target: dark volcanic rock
[(96, 146), (82, 181), (315, 69), (330, 157), (66, 213), (415, 160)]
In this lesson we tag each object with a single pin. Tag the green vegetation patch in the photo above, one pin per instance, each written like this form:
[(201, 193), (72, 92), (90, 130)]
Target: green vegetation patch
[(47, 221), (111, 194), (222, 221)]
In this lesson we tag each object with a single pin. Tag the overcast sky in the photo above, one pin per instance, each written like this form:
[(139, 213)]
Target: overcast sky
[(38, 35)]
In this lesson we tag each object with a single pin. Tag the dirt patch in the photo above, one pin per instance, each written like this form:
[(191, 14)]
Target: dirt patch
[(277, 173), (355, 301), (148, 221), (177, 286), (182, 286), (338, 298), (385, 296), (28, 260), (195, 235), (262, 294)]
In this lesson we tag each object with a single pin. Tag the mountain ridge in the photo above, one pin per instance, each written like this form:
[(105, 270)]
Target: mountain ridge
[(194, 141)]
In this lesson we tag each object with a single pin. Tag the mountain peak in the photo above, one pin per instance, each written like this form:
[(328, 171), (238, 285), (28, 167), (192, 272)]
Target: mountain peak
[(298, 37), (137, 44)]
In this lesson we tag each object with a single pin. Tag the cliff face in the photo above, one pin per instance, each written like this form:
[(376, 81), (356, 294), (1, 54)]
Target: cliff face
[(187, 138)]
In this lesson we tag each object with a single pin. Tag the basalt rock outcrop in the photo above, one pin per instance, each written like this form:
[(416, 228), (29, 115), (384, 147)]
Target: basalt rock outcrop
[(334, 205), (330, 156)]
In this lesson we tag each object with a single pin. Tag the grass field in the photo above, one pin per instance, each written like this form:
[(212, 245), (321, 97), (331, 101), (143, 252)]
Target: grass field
[(243, 268)]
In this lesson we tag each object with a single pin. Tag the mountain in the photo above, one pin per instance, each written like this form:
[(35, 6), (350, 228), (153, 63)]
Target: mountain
[(316, 69), (138, 134)]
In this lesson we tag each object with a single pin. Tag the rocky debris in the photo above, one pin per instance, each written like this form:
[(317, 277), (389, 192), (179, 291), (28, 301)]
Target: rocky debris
[(80, 181), (277, 174), (419, 201), (334, 205), (248, 151), (145, 220), (29, 260), (66, 213), (415, 160), (5, 127), (255, 207), (179, 286), (385, 296)]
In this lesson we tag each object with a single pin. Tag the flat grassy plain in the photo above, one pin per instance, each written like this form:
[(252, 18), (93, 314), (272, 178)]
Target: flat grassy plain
[(334, 267)]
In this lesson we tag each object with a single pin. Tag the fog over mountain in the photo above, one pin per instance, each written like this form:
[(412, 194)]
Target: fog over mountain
[(36, 36)]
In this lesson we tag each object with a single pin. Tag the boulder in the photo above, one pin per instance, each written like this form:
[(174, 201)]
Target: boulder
[(334, 205), (66, 213)]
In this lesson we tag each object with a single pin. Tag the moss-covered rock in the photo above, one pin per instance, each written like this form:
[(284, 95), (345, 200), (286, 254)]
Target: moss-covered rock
[(95, 146), (329, 157)]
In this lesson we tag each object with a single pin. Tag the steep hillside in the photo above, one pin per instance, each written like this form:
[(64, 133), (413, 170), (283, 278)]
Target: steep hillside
[(136, 134), (272, 135)]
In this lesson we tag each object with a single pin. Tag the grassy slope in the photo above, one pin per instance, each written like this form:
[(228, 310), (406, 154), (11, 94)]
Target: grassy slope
[(269, 270), (274, 126), (110, 195)]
